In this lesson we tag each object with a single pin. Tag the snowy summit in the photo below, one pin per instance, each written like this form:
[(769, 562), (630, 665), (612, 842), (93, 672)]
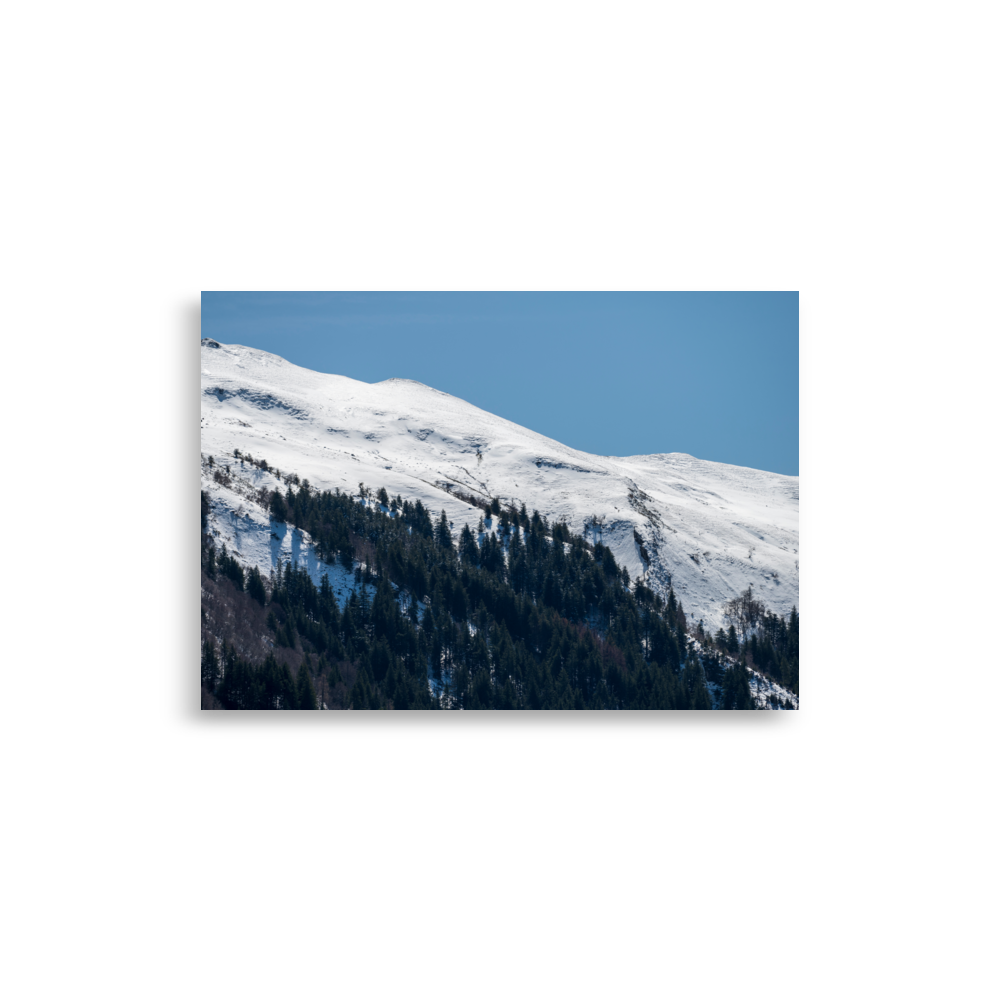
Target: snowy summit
[(706, 528)]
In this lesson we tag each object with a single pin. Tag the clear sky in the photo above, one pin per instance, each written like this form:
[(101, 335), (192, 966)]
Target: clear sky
[(713, 374)]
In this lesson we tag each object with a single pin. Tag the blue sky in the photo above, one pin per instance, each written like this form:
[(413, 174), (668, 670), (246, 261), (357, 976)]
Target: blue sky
[(713, 374)]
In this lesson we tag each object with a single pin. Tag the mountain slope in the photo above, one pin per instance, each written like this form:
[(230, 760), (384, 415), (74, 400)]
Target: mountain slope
[(708, 529)]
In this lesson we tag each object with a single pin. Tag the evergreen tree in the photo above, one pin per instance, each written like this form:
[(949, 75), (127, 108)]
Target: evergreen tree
[(444, 532), (288, 697), (467, 547), (278, 509), (255, 586), (305, 694), (736, 688), (694, 683), (209, 665), (361, 693)]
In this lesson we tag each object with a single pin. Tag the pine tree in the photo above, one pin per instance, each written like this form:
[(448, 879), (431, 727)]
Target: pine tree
[(209, 665), (255, 586), (361, 692), (467, 547), (288, 697), (694, 681), (278, 510), (701, 700), (736, 688), (306, 695), (444, 532), (732, 642)]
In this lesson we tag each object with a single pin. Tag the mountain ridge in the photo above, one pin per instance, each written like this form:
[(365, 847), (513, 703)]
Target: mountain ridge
[(708, 529)]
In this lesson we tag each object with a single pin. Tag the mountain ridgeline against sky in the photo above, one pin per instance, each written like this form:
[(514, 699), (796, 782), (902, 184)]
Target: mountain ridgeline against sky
[(388, 545)]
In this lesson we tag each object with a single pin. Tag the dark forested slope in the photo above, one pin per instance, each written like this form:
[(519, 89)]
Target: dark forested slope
[(527, 615)]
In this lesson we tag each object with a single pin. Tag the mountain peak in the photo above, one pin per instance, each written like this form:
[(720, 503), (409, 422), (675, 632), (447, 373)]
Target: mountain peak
[(706, 529)]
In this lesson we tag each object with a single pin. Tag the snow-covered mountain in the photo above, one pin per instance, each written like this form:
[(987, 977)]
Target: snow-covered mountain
[(706, 528)]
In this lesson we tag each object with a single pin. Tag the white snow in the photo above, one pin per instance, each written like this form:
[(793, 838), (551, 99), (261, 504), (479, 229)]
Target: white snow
[(710, 529), (763, 689)]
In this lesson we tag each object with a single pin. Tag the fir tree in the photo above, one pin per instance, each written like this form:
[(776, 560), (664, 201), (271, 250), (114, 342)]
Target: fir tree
[(255, 586), (288, 697), (305, 694), (443, 534), (467, 547), (209, 665), (278, 509)]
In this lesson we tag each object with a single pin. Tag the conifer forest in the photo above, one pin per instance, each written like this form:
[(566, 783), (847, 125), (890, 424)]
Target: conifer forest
[(520, 614)]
